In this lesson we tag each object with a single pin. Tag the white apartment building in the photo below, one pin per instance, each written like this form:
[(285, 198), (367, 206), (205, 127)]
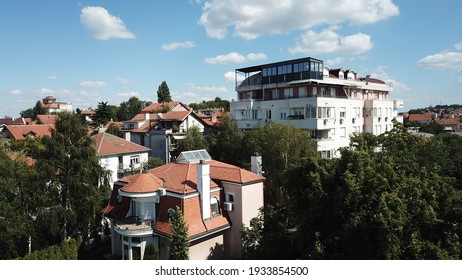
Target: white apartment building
[(332, 103)]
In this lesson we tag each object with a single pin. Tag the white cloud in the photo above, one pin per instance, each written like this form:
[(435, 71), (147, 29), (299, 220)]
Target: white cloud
[(175, 45), (205, 89), (379, 73), (45, 91), (91, 84), (234, 57), (443, 60), (102, 25), (458, 46), (251, 19), (328, 41), (52, 77), (123, 81), (230, 77), (16, 92), (129, 94)]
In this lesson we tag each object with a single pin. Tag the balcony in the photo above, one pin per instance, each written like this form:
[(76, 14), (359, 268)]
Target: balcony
[(134, 224), (128, 167)]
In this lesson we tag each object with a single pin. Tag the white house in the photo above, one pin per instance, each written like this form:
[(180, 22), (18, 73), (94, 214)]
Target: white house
[(120, 156), (215, 199), (332, 103)]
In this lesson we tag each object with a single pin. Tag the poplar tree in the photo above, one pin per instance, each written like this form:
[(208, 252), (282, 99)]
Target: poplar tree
[(179, 244), (163, 93)]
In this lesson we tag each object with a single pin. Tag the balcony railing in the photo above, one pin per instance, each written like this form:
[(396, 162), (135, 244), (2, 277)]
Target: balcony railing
[(128, 167), (135, 224)]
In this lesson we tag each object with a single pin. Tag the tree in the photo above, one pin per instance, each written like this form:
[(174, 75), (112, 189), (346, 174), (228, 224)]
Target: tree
[(151, 252), (179, 243), (34, 111), (114, 130), (128, 110), (102, 115), (194, 140), (163, 93), (154, 162), (225, 142), (77, 184)]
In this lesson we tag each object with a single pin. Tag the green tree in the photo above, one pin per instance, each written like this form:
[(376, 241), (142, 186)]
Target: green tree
[(114, 130), (103, 114), (151, 252), (194, 140), (225, 142), (154, 162), (163, 93), (78, 185), (34, 111), (129, 109), (179, 243)]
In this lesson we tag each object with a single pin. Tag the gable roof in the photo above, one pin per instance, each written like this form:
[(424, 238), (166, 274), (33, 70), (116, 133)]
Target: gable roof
[(19, 132), (154, 107), (47, 119), (108, 144)]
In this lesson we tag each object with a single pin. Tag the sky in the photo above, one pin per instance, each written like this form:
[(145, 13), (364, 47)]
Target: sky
[(86, 52)]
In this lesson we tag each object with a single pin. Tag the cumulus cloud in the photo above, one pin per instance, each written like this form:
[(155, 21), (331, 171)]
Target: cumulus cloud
[(93, 84), (175, 45), (458, 46), (102, 25), (207, 89), (328, 41), (443, 60), (129, 94), (231, 77), (16, 92), (381, 74), (234, 57), (252, 19)]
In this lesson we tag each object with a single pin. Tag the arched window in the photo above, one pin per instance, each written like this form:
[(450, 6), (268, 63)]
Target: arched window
[(170, 212), (214, 204)]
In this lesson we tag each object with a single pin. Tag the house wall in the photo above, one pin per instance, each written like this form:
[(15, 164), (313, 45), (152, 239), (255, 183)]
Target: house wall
[(208, 248), (111, 163), (248, 200)]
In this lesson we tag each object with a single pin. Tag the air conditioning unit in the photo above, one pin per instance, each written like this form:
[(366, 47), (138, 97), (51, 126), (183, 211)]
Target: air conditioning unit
[(162, 192), (228, 206)]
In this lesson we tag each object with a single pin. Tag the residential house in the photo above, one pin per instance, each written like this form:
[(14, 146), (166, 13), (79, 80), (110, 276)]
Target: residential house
[(18, 132), (215, 199), (161, 131), (332, 103), (119, 156), (46, 119), (50, 105), (421, 119)]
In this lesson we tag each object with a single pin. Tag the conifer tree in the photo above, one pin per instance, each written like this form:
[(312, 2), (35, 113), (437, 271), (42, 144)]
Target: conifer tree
[(179, 244), (163, 93)]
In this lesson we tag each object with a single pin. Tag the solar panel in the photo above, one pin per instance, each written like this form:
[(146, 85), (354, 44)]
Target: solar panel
[(193, 156)]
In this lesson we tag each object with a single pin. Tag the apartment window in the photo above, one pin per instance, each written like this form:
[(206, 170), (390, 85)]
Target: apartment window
[(315, 91), (274, 94), (288, 93), (301, 92), (268, 114), (326, 154), (342, 112), (325, 112), (284, 113), (254, 114), (342, 132), (215, 206), (134, 160)]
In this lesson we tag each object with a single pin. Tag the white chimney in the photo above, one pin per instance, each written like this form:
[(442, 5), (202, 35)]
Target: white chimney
[(203, 187), (255, 162), (146, 116), (127, 135)]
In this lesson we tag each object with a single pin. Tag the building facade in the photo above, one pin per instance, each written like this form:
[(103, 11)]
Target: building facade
[(215, 199), (332, 103)]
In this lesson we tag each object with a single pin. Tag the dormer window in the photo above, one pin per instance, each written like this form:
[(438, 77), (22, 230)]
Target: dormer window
[(214, 205)]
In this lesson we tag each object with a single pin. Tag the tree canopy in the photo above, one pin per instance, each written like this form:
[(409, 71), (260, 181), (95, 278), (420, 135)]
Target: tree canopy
[(163, 93)]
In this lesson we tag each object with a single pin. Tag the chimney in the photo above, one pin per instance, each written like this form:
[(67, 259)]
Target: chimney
[(127, 135), (203, 187), (146, 116), (255, 162)]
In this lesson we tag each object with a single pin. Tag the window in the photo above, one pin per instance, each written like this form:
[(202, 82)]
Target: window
[(229, 197), (170, 213), (274, 94), (301, 92), (342, 112), (268, 114), (288, 93), (315, 91), (254, 114), (134, 160), (284, 113), (214, 205), (342, 132)]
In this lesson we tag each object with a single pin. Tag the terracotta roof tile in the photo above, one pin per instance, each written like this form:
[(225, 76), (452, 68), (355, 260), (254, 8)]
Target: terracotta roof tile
[(47, 119), (22, 131), (108, 144), (141, 183)]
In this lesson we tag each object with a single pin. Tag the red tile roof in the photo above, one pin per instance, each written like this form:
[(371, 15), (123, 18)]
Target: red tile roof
[(428, 116), (154, 107), (141, 183), (117, 208), (47, 119), (108, 144), (22, 131)]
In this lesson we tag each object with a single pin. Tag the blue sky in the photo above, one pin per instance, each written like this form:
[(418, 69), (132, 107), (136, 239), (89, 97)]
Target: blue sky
[(85, 52)]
